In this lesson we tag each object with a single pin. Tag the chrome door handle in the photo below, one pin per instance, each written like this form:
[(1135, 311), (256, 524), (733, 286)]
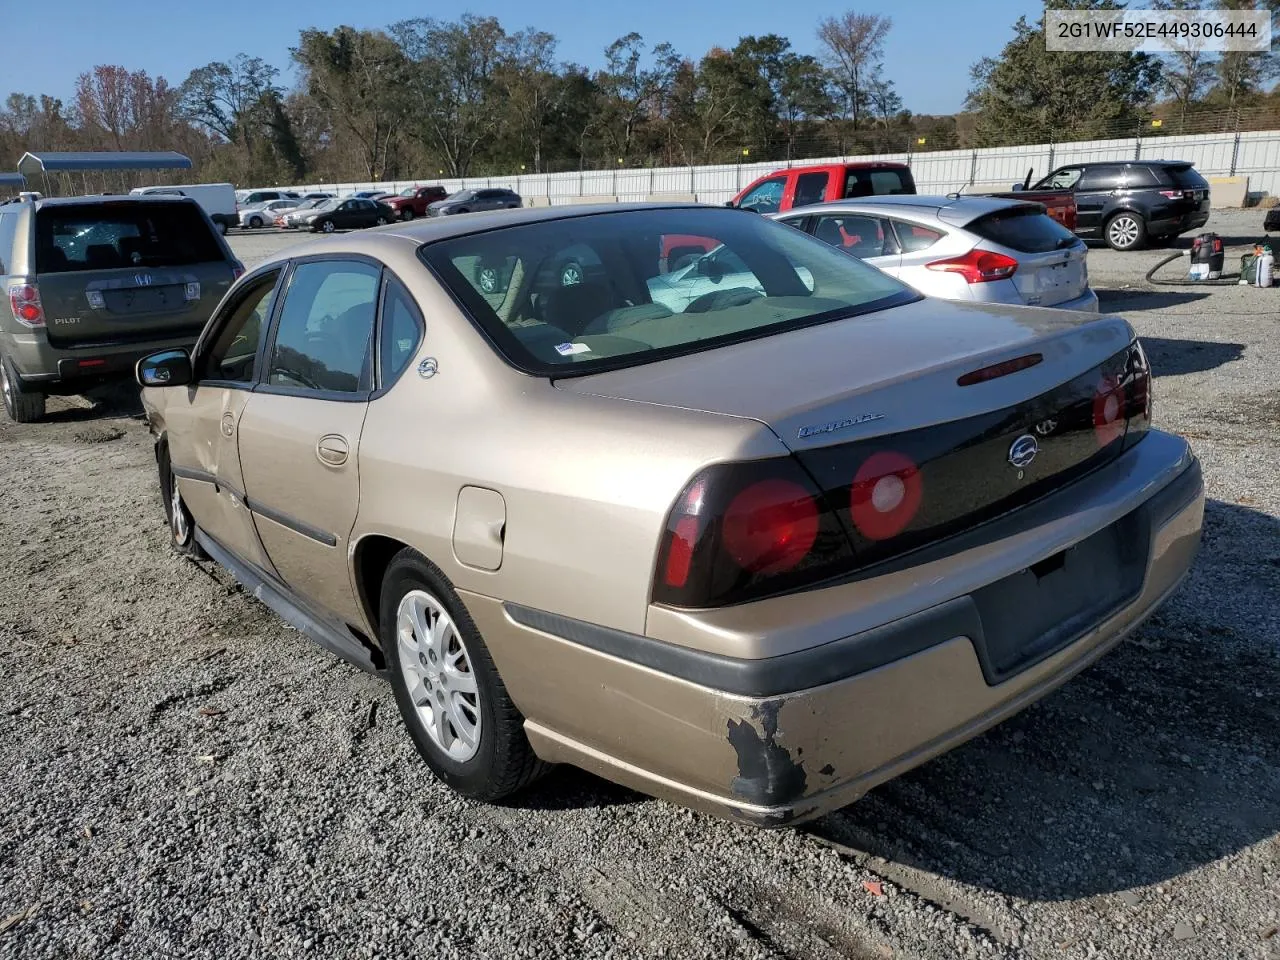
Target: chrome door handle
[(332, 449)]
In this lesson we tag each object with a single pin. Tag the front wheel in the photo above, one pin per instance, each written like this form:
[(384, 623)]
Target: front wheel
[(255, 223), (182, 527), (21, 407), (1126, 231), (450, 696)]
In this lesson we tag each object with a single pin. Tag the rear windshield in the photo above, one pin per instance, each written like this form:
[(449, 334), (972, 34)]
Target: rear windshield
[(1024, 229), (1186, 178), (107, 236), (877, 183), (580, 294)]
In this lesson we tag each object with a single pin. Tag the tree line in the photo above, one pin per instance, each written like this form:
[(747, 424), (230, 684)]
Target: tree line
[(467, 97)]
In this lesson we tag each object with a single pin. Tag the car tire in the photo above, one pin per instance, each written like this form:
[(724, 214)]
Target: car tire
[(222, 228), (328, 226), (1125, 231), (571, 274), (22, 406), (446, 683), (182, 526), (380, 222), (255, 223), (406, 214)]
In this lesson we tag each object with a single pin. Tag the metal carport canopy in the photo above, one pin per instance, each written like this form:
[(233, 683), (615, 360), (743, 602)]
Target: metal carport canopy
[(12, 180), (33, 165)]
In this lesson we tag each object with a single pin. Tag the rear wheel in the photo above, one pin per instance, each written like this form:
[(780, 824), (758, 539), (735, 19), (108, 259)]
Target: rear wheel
[(327, 226), (450, 696), (1126, 231), (381, 222), (406, 214), (21, 406)]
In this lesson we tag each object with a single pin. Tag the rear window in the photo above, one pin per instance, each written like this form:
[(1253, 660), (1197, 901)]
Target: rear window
[(1024, 229), (877, 183), (110, 236), (1187, 178), (581, 294)]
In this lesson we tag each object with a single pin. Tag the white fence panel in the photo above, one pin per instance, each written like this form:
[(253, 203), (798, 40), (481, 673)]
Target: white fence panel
[(1255, 155)]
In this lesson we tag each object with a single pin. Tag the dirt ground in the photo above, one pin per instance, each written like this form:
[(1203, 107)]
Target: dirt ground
[(181, 775)]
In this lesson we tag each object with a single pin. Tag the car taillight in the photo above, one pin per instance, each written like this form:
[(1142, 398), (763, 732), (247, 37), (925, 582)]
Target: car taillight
[(1138, 395), (885, 495), (24, 301), (1108, 411), (978, 266), (237, 270), (741, 531), (1172, 194)]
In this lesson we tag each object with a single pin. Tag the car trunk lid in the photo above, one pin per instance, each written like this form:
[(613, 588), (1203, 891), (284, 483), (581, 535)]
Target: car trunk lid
[(1052, 261), (951, 390)]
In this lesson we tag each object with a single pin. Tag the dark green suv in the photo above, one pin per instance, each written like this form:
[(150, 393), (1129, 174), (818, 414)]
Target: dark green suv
[(91, 284)]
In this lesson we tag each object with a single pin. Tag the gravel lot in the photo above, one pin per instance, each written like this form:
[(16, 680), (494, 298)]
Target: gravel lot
[(183, 776)]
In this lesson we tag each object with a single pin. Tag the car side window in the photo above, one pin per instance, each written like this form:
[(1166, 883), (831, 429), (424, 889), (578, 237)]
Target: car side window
[(233, 357), (324, 338), (855, 234), (401, 330), (1101, 178), (810, 188), (1063, 179), (766, 197), (913, 238)]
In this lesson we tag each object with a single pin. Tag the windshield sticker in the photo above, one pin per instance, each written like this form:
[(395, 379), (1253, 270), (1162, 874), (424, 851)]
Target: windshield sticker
[(569, 349)]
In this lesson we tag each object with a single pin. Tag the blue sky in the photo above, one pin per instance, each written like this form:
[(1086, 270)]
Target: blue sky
[(928, 54)]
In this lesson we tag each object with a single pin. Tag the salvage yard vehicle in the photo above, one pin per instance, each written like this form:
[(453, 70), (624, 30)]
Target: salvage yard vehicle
[(414, 201), (960, 248), (352, 214), (216, 199), (824, 183), (260, 214), (1132, 204), (93, 283), (755, 550), (473, 201)]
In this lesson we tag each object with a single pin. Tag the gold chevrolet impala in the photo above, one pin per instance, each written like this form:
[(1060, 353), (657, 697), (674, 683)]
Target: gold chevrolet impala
[(676, 494)]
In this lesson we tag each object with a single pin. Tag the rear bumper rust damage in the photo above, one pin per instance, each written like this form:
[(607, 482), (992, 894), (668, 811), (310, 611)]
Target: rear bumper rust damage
[(738, 748)]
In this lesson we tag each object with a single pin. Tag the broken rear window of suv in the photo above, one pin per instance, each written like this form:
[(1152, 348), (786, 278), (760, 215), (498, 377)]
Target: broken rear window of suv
[(111, 236)]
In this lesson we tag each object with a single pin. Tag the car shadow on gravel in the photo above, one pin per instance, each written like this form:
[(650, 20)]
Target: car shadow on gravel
[(1131, 301), (115, 400), (1159, 759), (1174, 357)]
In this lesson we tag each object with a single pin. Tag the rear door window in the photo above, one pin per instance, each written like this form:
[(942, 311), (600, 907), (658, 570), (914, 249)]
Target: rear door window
[(1023, 229), (811, 188), (877, 183), (324, 338), (912, 237), (113, 236)]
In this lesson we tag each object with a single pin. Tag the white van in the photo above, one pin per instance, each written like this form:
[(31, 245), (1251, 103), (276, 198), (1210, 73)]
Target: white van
[(217, 199)]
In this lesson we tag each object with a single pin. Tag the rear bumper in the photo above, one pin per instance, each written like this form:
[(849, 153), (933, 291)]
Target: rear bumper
[(1006, 291), (789, 736), (1171, 226), (44, 368)]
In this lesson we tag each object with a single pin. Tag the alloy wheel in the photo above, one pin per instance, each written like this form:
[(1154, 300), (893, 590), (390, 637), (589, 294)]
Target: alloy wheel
[(489, 280), (1123, 232), (438, 675), (179, 526), (328, 226)]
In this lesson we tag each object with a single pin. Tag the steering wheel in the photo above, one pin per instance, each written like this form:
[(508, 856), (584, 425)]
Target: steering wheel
[(721, 299)]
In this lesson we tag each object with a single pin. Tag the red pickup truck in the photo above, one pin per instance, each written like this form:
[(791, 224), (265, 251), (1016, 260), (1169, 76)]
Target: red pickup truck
[(822, 183), (413, 202)]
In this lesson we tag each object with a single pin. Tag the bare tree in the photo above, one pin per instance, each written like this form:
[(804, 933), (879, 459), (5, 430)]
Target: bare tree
[(854, 45)]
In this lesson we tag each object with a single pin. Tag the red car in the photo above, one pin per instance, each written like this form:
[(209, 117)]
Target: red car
[(822, 183), (413, 202)]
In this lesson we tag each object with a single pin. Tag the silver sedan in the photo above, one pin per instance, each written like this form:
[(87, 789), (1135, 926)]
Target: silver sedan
[(960, 248)]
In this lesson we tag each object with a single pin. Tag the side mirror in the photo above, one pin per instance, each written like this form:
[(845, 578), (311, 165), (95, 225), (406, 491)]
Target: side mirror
[(730, 203), (1017, 188), (168, 368)]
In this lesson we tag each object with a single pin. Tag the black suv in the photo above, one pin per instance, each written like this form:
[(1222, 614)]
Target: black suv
[(1130, 204)]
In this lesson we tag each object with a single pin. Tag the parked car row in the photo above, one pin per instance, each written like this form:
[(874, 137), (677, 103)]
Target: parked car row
[(683, 495)]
